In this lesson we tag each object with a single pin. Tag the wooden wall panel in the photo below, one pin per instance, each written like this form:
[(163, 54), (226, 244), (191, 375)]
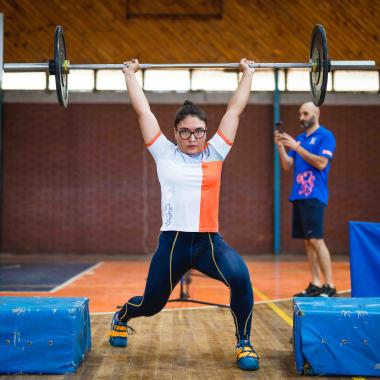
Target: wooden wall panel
[(270, 30), (170, 8)]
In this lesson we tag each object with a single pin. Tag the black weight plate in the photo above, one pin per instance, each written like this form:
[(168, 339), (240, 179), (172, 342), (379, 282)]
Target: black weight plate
[(320, 64), (60, 74)]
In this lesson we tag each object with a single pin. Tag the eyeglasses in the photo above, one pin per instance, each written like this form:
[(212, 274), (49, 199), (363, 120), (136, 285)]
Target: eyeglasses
[(198, 133)]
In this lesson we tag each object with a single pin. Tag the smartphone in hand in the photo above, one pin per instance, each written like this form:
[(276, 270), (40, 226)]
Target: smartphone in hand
[(279, 126)]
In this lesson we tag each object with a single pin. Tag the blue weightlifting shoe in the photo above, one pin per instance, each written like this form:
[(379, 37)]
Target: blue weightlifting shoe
[(119, 332), (246, 356)]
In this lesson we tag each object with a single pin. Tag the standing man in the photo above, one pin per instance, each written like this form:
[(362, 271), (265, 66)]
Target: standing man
[(311, 153)]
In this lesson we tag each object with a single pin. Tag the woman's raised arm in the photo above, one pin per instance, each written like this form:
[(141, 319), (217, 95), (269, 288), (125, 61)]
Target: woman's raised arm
[(147, 121)]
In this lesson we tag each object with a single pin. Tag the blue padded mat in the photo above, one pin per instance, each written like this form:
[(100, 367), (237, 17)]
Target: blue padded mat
[(43, 335), (365, 259), (38, 276), (337, 336)]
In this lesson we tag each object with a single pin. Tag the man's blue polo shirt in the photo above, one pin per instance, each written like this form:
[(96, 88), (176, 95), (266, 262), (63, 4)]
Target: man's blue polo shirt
[(308, 181)]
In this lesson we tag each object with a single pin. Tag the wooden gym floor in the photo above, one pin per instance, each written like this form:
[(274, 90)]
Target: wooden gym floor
[(186, 340)]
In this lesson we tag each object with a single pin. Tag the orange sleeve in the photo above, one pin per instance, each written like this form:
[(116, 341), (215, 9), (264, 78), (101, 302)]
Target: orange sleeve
[(224, 138), (151, 142)]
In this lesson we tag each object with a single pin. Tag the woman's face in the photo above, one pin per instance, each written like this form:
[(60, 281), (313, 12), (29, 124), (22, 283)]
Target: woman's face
[(190, 135)]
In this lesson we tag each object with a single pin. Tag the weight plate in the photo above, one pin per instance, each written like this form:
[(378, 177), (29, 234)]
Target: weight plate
[(320, 64), (60, 72)]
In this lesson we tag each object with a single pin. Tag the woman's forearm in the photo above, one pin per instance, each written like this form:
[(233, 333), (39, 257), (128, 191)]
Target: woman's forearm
[(136, 94), (240, 98)]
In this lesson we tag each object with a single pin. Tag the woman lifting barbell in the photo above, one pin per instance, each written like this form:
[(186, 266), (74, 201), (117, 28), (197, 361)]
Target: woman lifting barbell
[(190, 174)]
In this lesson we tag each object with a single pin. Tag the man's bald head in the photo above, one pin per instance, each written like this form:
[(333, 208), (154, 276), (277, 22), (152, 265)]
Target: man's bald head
[(309, 115), (312, 108)]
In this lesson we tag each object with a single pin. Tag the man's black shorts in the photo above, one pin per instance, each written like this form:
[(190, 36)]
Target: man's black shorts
[(307, 221)]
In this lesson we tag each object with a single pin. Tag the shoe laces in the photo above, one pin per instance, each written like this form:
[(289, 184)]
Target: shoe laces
[(246, 347), (130, 329)]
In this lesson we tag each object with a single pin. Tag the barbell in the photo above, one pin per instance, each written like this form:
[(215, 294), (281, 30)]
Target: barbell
[(319, 65)]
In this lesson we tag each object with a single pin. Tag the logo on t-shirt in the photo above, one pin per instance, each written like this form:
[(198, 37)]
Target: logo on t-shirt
[(313, 140), (306, 180), (168, 214)]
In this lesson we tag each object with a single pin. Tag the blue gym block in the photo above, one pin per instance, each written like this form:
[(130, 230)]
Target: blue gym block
[(337, 336), (365, 259), (43, 335)]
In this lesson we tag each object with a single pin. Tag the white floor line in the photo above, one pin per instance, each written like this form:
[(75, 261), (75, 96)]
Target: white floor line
[(72, 279), (23, 291), (344, 291), (178, 308), (213, 307)]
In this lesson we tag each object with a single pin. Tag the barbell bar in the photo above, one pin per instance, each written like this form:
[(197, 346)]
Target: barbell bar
[(44, 67), (319, 65)]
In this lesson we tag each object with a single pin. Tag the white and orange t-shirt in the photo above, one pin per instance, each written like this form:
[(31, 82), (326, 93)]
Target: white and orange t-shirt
[(190, 184)]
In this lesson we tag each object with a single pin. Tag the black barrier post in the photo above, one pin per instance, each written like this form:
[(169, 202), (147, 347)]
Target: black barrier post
[(184, 295), (276, 173)]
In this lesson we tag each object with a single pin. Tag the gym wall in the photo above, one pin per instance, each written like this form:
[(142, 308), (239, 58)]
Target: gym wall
[(81, 181)]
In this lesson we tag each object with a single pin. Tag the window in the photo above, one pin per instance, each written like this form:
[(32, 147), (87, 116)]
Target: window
[(299, 80), (78, 80), (356, 80), (214, 80), (167, 80), (113, 80), (24, 81), (196, 80), (263, 80)]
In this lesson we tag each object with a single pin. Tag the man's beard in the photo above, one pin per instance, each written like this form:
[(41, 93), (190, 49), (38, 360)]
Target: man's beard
[(306, 124)]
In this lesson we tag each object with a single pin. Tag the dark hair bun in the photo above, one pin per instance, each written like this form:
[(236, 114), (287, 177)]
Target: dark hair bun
[(189, 108)]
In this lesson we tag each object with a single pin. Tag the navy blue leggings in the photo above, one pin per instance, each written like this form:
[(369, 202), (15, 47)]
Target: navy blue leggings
[(178, 252)]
